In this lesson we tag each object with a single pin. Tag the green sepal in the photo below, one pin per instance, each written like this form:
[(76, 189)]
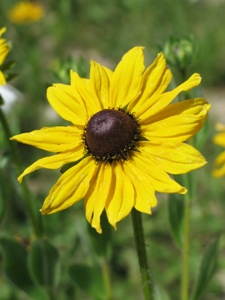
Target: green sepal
[(10, 76), (7, 65), (207, 270)]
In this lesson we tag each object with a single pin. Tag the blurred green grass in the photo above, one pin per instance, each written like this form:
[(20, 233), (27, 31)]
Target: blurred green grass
[(104, 31)]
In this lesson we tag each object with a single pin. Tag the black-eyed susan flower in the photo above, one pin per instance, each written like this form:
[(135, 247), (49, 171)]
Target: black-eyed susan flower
[(26, 12), (4, 50), (125, 136), (219, 139)]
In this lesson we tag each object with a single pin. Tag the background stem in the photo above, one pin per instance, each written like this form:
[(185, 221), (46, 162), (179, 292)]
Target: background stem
[(26, 194), (186, 249)]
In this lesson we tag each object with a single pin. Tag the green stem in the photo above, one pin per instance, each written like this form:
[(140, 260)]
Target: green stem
[(106, 278), (186, 249), (16, 161), (142, 255)]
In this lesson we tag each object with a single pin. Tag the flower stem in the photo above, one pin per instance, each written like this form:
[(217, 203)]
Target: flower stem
[(15, 157), (142, 255), (186, 250), (106, 277)]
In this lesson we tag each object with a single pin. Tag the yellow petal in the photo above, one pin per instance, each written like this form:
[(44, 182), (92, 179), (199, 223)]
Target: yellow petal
[(2, 30), (173, 158), (100, 77), (83, 87), (144, 192), (219, 139), (67, 104), (122, 201), (53, 139), (71, 187), (53, 162), (219, 172), (127, 78), (220, 159), (220, 127), (4, 50), (159, 179), (177, 122), (156, 79), (101, 188), (157, 102), (2, 79)]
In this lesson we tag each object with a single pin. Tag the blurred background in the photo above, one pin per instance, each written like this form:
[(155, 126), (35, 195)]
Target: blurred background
[(68, 36)]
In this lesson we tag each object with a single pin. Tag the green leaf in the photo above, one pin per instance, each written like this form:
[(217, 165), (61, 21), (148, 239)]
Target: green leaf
[(176, 214), (207, 270), (88, 279), (101, 242), (3, 197), (15, 263), (44, 263), (15, 267), (160, 293), (1, 100)]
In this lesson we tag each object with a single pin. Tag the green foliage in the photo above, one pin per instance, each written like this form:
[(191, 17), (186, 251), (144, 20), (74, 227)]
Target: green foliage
[(176, 214), (101, 243), (207, 270), (72, 33), (15, 263), (15, 267), (43, 263), (88, 279)]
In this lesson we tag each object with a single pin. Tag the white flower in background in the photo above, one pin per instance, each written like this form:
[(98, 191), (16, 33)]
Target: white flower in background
[(10, 96)]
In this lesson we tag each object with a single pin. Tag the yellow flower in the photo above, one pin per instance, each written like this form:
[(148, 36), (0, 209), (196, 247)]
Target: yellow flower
[(125, 137), (26, 12), (219, 139), (4, 50)]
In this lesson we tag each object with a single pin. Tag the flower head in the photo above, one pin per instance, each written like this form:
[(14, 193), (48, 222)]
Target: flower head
[(219, 139), (124, 140), (26, 12), (4, 50)]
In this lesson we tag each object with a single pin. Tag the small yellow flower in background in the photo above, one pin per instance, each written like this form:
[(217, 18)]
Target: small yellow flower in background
[(125, 136), (26, 12), (219, 139), (4, 50)]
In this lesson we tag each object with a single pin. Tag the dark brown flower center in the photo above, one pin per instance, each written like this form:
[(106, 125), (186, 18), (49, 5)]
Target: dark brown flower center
[(111, 135)]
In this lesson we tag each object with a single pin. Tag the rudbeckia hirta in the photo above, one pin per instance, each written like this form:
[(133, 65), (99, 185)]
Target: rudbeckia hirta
[(26, 12), (4, 50), (125, 138), (219, 139)]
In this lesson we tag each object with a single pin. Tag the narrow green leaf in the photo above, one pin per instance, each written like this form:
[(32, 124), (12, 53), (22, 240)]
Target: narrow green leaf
[(207, 269), (88, 279), (176, 214), (43, 262), (101, 242)]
